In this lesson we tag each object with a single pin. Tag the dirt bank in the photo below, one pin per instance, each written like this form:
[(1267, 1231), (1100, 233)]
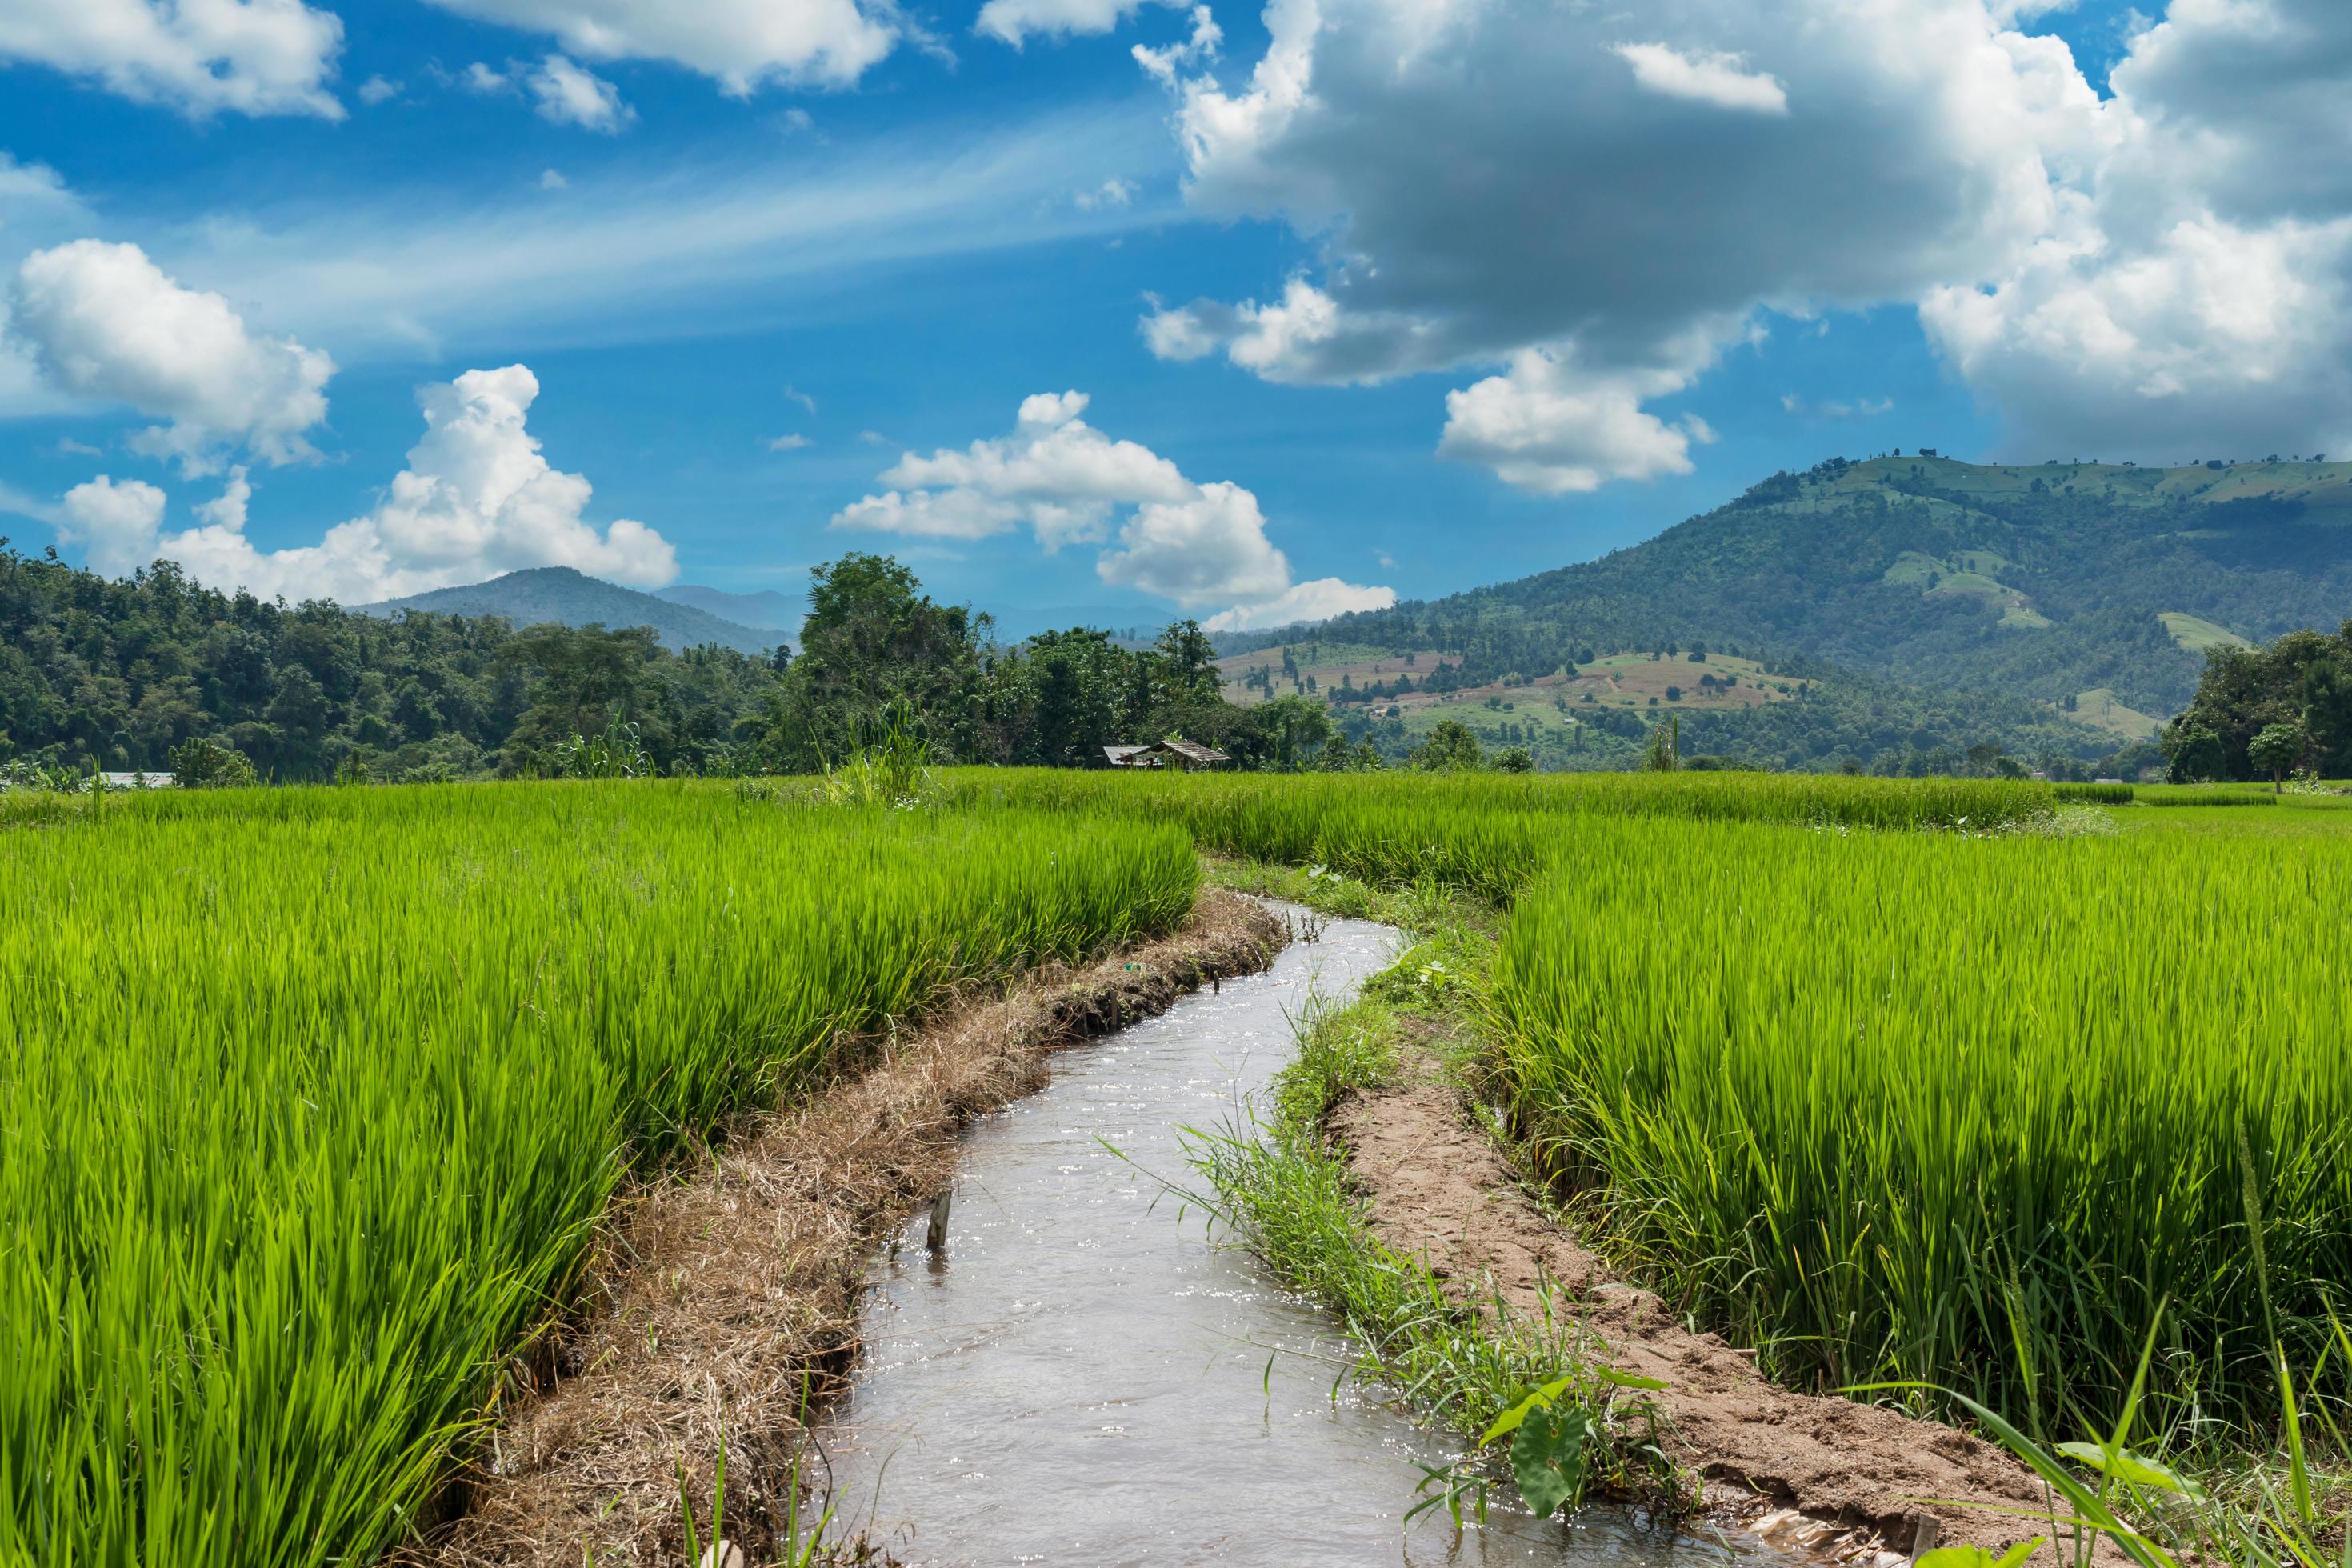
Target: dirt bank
[(726, 1297), (1437, 1188)]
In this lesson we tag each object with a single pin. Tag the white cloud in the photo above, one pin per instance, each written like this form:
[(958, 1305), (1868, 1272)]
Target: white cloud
[(1544, 426), (1055, 473), (227, 509), (794, 394), (2198, 292), (199, 56), (102, 321), (69, 447), (1719, 80), (742, 44), (114, 524), (1066, 481), (792, 442), (1163, 64), (554, 180), (1517, 189), (569, 94), (475, 499), (1835, 408), (1113, 193), (1014, 20), (1303, 601), (378, 89), (1511, 187), (1210, 546), (480, 78)]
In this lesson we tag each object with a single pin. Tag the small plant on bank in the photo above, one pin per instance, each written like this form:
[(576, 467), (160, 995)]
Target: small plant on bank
[(617, 753), (894, 769)]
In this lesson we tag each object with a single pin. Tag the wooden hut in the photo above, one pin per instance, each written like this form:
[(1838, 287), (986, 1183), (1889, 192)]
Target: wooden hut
[(1186, 755)]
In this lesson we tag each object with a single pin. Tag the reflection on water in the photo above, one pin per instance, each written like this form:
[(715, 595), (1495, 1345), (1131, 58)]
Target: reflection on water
[(1084, 1378)]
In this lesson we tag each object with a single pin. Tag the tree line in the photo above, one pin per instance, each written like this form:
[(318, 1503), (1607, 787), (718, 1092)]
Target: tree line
[(156, 670), (2265, 712)]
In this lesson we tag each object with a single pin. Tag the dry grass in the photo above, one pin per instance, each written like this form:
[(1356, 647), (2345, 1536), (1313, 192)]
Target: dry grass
[(724, 1301)]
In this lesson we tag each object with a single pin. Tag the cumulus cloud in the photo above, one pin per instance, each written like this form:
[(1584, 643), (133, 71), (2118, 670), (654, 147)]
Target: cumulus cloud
[(791, 442), (2197, 291), (1722, 80), (1543, 426), (102, 321), (114, 524), (1066, 481), (569, 94), (1589, 220), (1303, 601), (378, 89), (1520, 187), (741, 44), (1056, 474), (199, 56), (475, 499)]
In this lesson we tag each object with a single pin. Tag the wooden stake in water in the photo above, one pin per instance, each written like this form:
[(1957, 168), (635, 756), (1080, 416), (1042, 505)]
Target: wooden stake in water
[(937, 1240)]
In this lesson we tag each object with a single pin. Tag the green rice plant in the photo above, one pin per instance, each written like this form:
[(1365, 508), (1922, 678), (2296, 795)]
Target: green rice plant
[(312, 1097), (1949, 1109), (1484, 833), (2093, 794)]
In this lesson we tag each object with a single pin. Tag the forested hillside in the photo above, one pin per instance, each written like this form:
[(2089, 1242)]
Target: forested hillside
[(117, 674), (2057, 583)]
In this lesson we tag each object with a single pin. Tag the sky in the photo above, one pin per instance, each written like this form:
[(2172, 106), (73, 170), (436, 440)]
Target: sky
[(1110, 311)]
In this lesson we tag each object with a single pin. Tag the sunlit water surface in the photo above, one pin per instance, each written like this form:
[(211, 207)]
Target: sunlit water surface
[(1084, 1377)]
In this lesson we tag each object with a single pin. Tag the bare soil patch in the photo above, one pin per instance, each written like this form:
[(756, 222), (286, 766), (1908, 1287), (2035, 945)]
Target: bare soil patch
[(724, 1301), (1438, 1189)]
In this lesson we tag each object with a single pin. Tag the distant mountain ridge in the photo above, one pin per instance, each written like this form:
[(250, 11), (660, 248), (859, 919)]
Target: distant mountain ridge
[(2067, 584), (573, 599), (766, 610)]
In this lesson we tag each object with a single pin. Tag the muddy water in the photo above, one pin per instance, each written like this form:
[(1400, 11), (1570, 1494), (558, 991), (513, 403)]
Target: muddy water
[(1083, 1379)]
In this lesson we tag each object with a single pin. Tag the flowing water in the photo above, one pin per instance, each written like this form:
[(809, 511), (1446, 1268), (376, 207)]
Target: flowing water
[(1083, 1378)]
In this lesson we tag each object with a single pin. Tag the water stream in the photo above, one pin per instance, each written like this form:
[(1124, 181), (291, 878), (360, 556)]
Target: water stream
[(1083, 1378)]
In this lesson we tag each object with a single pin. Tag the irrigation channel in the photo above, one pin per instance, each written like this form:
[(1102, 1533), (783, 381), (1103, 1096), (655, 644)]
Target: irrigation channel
[(1083, 1376)]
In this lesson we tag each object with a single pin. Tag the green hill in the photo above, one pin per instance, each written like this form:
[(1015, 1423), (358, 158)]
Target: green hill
[(2031, 585), (570, 598)]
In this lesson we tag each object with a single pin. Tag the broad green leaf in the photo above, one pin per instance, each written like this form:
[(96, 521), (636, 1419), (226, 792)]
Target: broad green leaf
[(1534, 1399), (1547, 1458)]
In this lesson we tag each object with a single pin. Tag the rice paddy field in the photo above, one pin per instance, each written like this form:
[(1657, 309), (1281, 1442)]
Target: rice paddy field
[(314, 1097)]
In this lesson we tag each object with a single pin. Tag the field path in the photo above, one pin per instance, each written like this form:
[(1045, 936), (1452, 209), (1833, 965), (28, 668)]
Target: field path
[(1438, 1189)]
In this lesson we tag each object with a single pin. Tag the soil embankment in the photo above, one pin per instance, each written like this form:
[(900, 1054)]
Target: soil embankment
[(726, 1299), (1438, 1189)]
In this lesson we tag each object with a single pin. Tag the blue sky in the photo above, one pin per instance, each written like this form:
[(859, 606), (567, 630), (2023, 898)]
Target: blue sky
[(891, 265)]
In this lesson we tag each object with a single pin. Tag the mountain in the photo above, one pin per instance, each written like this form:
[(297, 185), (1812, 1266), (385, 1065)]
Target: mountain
[(2090, 588), (574, 599), (766, 610)]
